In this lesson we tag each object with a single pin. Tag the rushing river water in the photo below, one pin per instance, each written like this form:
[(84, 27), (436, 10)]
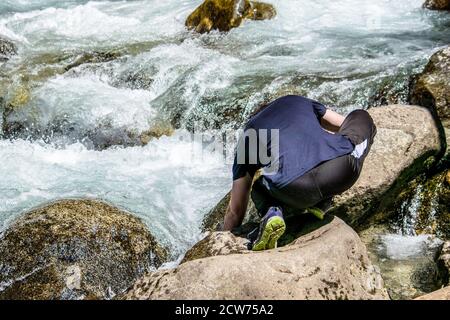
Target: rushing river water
[(340, 52)]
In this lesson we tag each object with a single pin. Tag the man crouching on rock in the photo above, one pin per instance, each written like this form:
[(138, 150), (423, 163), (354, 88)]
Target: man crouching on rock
[(307, 154)]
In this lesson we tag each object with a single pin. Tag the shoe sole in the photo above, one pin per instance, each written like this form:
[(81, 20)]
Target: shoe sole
[(273, 230)]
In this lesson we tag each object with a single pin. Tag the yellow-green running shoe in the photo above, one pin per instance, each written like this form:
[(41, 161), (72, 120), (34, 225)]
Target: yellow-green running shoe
[(316, 212), (272, 227)]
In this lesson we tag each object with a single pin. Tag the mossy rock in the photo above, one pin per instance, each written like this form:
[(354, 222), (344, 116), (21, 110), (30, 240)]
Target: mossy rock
[(443, 263), (260, 11), (223, 15), (19, 97), (75, 249), (430, 196), (431, 88)]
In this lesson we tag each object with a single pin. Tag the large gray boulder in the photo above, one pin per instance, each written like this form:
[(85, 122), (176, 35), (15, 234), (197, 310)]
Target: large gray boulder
[(328, 263), (75, 249), (406, 144)]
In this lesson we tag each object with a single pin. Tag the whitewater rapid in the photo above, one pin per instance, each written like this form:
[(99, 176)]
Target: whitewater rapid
[(336, 52)]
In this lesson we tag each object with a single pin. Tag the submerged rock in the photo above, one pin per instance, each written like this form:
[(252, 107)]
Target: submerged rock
[(223, 15), (75, 249), (309, 268), (7, 49), (157, 131), (437, 4), (431, 88), (23, 119), (405, 145), (92, 57)]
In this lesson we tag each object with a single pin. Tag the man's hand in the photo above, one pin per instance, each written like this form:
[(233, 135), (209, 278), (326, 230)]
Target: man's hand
[(237, 207)]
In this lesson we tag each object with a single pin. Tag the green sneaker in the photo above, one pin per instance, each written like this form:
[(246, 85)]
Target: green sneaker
[(316, 212), (272, 227)]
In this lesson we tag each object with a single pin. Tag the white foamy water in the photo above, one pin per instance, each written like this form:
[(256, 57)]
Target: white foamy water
[(339, 52), (87, 100), (166, 183), (403, 247)]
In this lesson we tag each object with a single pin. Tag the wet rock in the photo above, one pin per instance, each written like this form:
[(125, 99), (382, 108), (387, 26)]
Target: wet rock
[(92, 57), (17, 96), (391, 90), (443, 263), (259, 11), (441, 294), (7, 49), (296, 271), (216, 244), (223, 15), (437, 4), (405, 145), (75, 249), (157, 131), (431, 88)]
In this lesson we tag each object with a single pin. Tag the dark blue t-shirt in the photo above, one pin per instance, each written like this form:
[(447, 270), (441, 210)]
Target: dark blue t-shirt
[(302, 143)]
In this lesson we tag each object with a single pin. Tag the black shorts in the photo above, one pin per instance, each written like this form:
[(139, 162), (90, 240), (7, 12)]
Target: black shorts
[(329, 178)]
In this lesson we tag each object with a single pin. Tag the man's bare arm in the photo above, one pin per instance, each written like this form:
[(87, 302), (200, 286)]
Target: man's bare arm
[(237, 207), (332, 121)]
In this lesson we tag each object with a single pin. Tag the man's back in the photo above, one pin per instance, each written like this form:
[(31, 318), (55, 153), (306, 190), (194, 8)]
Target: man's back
[(301, 143)]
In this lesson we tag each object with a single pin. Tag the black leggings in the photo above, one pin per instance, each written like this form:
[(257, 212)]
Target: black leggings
[(329, 178)]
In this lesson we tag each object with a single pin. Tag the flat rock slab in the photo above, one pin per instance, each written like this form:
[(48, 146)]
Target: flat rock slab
[(328, 263)]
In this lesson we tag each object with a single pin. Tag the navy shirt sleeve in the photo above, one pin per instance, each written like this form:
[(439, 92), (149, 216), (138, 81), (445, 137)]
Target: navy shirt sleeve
[(241, 169), (319, 109)]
